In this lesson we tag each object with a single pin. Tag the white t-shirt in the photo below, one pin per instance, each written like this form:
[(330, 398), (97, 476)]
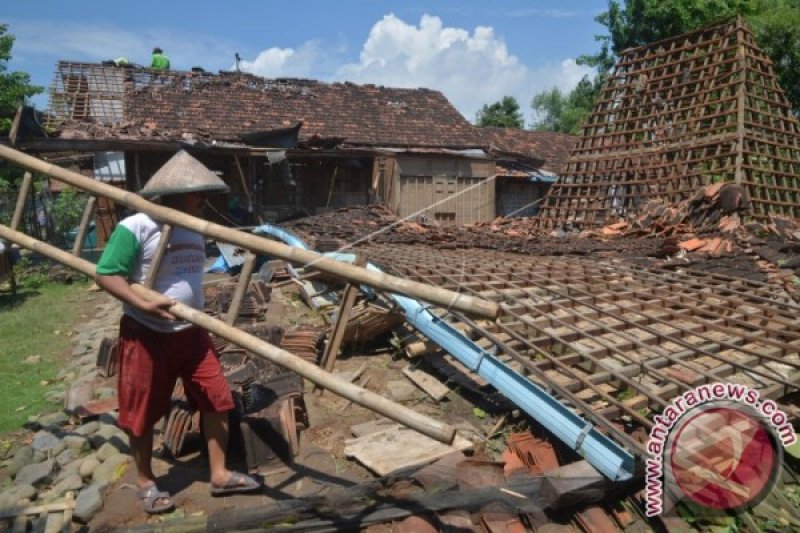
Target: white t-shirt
[(130, 252)]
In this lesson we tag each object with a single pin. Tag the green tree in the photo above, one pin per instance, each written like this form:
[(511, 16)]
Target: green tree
[(14, 86), (566, 113), (503, 114), (775, 24), (638, 22)]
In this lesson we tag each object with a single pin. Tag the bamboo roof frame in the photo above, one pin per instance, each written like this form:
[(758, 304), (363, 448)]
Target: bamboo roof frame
[(678, 114)]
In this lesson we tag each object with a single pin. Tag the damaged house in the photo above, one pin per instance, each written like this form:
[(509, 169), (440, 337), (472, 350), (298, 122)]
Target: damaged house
[(527, 163), (287, 147), (588, 341)]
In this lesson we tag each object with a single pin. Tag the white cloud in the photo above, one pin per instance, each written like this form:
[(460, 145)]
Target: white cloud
[(471, 69), (286, 62)]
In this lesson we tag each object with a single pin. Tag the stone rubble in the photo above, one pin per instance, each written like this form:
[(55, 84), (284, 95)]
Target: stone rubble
[(64, 454)]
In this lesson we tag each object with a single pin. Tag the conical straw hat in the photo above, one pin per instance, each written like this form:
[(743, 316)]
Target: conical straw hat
[(183, 174)]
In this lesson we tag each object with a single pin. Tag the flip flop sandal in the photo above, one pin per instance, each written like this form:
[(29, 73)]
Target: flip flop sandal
[(237, 484), (150, 495)]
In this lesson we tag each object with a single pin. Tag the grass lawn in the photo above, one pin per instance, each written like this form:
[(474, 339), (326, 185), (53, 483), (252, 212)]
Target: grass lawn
[(36, 323)]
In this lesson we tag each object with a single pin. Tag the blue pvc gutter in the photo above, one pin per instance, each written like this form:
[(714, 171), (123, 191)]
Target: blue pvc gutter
[(604, 454), (283, 234)]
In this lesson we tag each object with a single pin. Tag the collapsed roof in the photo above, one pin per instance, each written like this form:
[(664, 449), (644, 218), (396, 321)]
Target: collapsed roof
[(142, 103), (704, 107)]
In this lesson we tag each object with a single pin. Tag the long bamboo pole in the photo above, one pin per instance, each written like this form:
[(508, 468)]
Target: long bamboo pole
[(403, 415), (421, 291)]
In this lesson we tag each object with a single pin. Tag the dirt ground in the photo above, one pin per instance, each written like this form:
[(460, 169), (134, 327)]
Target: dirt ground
[(320, 465)]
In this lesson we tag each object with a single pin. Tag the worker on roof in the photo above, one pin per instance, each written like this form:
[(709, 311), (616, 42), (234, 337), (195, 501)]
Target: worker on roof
[(154, 347), (160, 61)]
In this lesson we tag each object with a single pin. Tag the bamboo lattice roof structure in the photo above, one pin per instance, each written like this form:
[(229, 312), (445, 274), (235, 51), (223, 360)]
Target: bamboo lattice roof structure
[(700, 108)]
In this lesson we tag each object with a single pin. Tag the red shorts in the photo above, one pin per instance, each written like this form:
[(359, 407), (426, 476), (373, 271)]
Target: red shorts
[(150, 363)]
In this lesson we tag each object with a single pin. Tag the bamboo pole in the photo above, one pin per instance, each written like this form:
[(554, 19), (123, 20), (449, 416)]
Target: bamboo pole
[(88, 211), (254, 243), (403, 415)]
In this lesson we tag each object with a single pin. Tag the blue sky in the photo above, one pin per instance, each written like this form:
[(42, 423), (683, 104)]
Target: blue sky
[(475, 52)]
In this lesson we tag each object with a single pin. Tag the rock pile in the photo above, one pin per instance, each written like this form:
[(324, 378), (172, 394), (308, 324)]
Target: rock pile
[(66, 454)]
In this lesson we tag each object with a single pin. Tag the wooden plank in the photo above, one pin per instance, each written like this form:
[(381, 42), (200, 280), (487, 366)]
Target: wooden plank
[(315, 294), (337, 333), (373, 426), (432, 386), (69, 500), (11, 512), (396, 448)]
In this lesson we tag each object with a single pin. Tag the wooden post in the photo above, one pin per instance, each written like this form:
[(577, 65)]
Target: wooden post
[(337, 333), (69, 500), (136, 174), (16, 219), (241, 289), (163, 244), (255, 243), (245, 187), (399, 413), (24, 189), (88, 211)]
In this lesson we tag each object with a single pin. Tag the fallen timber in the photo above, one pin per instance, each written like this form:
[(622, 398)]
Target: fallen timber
[(446, 298), (425, 425)]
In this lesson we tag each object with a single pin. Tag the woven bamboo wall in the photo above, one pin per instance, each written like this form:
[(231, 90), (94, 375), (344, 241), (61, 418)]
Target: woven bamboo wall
[(677, 114)]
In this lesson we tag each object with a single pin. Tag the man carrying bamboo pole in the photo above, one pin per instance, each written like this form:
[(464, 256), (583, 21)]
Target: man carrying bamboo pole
[(155, 348)]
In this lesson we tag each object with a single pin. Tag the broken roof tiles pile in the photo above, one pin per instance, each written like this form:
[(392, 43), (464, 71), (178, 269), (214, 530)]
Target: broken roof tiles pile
[(378, 224), (678, 114)]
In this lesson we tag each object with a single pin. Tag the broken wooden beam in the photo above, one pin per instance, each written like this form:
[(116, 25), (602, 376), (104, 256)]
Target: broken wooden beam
[(432, 386), (337, 332), (241, 288)]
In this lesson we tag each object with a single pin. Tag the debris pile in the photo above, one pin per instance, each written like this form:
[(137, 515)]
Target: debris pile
[(127, 130), (707, 221), (777, 247), (377, 224)]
